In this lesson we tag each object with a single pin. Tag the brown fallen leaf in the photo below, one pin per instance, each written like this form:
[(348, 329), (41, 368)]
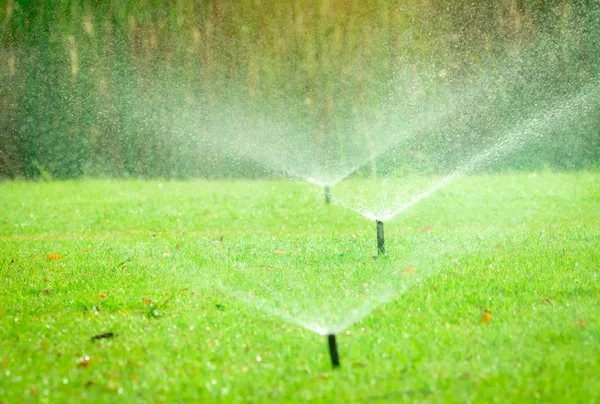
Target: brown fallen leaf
[(581, 323), (546, 300), (53, 257), (409, 271), (1, 309), (177, 246), (89, 383), (47, 291), (101, 296), (323, 376), (84, 363), (85, 250), (33, 391), (135, 377), (486, 318), (147, 301), (5, 361)]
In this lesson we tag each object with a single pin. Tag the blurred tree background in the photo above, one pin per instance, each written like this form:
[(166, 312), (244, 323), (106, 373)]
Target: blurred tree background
[(101, 87)]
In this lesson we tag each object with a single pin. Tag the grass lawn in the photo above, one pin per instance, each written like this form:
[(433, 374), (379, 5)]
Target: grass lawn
[(207, 291)]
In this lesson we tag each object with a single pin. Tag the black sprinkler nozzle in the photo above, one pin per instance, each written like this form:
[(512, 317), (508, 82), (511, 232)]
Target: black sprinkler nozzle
[(333, 352), (327, 195), (380, 239)]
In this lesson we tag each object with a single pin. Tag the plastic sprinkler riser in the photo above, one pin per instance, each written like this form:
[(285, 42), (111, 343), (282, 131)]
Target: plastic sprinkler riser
[(327, 195), (333, 352), (380, 238)]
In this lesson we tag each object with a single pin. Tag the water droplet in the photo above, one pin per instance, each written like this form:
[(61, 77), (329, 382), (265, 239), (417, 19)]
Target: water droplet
[(65, 381), (258, 359)]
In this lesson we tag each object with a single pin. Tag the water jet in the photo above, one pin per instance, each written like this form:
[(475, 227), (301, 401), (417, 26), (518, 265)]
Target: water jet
[(333, 352)]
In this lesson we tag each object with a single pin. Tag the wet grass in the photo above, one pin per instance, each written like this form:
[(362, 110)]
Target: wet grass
[(139, 301)]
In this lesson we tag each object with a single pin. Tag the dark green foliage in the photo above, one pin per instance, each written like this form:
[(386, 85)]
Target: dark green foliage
[(126, 89)]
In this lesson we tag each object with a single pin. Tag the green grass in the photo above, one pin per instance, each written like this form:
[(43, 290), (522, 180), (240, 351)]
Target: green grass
[(223, 262)]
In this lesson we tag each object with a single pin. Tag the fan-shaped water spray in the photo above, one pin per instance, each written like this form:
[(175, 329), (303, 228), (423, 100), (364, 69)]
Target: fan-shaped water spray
[(383, 199), (327, 295)]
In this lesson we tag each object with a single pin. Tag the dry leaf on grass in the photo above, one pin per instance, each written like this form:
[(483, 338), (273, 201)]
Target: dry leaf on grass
[(486, 318)]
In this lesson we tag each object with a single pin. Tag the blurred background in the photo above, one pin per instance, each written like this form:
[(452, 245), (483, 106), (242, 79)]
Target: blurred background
[(107, 88)]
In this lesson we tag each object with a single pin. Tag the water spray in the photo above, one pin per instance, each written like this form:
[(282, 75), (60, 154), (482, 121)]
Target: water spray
[(327, 195), (380, 238), (333, 352)]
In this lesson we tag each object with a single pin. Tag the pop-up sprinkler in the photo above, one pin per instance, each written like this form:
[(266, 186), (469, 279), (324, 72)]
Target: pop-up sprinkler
[(380, 238), (333, 352), (327, 194)]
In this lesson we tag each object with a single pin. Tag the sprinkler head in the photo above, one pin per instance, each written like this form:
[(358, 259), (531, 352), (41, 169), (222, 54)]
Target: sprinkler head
[(333, 352), (327, 195), (380, 238)]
